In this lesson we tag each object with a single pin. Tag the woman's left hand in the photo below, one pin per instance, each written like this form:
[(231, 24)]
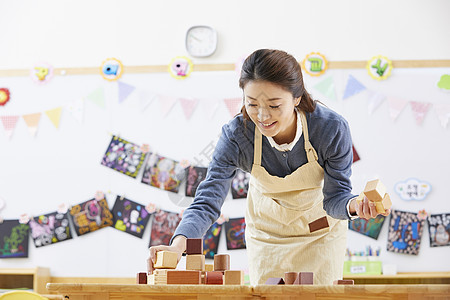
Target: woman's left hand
[(366, 209)]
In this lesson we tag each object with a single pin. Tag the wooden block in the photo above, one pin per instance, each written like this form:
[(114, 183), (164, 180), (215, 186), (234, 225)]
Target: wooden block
[(209, 267), (150, 267), (274, 281), (166, 260), (195, 262), (221, 262), (318, 224), (183, 277), (203, 277), (234, 277), (194, 246), (214, 277), (383, 205), (290, 277), (347, 282), (141, 278), (305, 278), (375, 190)]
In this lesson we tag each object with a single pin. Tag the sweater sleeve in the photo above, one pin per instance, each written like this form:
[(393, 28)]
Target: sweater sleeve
[(211, 193)]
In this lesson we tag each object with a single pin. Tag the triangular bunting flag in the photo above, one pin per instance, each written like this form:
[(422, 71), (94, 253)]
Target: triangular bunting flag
[(145, 99), (32, 121), (326, 87), (209, 106), (234, 105), (76, 108), (124, 90), (396, 106), (166, 103), (54, 115), (443, 112), (353, 87), (375, 99), (188, 106), (420, 109), (9, 122), (98, 97)]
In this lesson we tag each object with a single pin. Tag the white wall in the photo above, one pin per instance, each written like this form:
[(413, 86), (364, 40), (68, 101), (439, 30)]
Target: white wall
[(37, 174)]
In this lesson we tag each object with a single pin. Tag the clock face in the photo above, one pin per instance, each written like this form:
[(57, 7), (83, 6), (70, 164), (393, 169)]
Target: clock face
[(201, 41)]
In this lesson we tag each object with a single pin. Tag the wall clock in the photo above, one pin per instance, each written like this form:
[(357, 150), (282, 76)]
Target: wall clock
[(201, 41)]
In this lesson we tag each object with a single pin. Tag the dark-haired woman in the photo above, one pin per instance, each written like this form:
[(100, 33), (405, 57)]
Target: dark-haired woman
[(299, 154)]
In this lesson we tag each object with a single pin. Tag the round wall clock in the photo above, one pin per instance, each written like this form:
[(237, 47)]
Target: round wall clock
[(201, 41)]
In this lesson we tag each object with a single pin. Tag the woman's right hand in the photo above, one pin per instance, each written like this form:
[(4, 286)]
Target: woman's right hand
[(178, 246)]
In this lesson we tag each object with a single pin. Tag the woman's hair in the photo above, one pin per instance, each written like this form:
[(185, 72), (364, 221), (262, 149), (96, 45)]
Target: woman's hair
[(280, 68)]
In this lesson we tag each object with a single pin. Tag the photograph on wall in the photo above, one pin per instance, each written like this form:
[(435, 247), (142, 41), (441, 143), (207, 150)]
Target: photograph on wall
[(194, 175), (14, 239), (405, 232), (90, 216), (124, 157), (164, 224), (163, 173), (129, 216), (439, 230), (370, 228), (239, 184), (211, 240), (235, 233), (50, 228)]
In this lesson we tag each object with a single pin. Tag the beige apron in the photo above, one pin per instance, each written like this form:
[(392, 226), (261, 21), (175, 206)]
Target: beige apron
[(281, 235)]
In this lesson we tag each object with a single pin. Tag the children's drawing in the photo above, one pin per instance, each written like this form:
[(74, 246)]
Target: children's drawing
[(90, 216), (50, 228), (405, 232), (235, 230), (14, 239), (129, 216), (211, 240), (239, 184), (163, 226), (163, 173), (124, 157), (439, 229), (194, 176)]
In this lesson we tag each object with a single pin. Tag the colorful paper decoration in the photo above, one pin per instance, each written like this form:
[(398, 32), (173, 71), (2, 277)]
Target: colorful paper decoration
[(443, 112), (111, 69), (124, 90), (32, 121), (163, 227), (439, 230), (413, 189), (405, 232), (235, 233), (315, 64), (54, 115), (239, 184), (353, 87), (396, 106), (355, 155), (188, 106), (98, 97), (166, 103), (211, 241), (145, 99), (124, 157), (90, 216), (234, 105), (444, 82), (420, 109), (14, 241), (163, 173), (209, 107), (129, 216), (41, 73), (194, 176), (50, 229), (9, 123), (379, 67), (180, 67), (4, 96), (327, 88), (375, 99), (370, 228), (76, 109)]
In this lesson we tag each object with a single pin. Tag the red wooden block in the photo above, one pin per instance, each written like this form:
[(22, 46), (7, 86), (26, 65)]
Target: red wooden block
[(141, 278), (274, 281), (221, 262), (214, 277), (290, 277), (194, 246), (347, 282), (305, 278), (183, 277)]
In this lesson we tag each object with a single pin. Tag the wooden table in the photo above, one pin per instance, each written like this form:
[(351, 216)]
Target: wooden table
[(90, 291)]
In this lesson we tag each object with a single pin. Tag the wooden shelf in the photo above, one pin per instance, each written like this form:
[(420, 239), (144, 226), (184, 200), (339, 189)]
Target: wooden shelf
[(403, 278), (28, 278)]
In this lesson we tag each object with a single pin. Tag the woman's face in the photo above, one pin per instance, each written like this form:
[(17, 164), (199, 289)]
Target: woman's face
[(271, 108)]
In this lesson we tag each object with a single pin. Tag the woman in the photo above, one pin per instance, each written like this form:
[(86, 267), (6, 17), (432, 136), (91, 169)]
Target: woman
[(299, 154)]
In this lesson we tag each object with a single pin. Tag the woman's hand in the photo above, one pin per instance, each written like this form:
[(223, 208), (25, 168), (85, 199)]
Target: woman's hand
[(366, 209), (178, 246)]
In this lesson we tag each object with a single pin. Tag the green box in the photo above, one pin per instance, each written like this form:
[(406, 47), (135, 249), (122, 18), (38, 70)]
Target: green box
[(362, 268)]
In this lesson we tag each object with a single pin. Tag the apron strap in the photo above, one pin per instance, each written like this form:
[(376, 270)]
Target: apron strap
[(258, 147), (309, 149)]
